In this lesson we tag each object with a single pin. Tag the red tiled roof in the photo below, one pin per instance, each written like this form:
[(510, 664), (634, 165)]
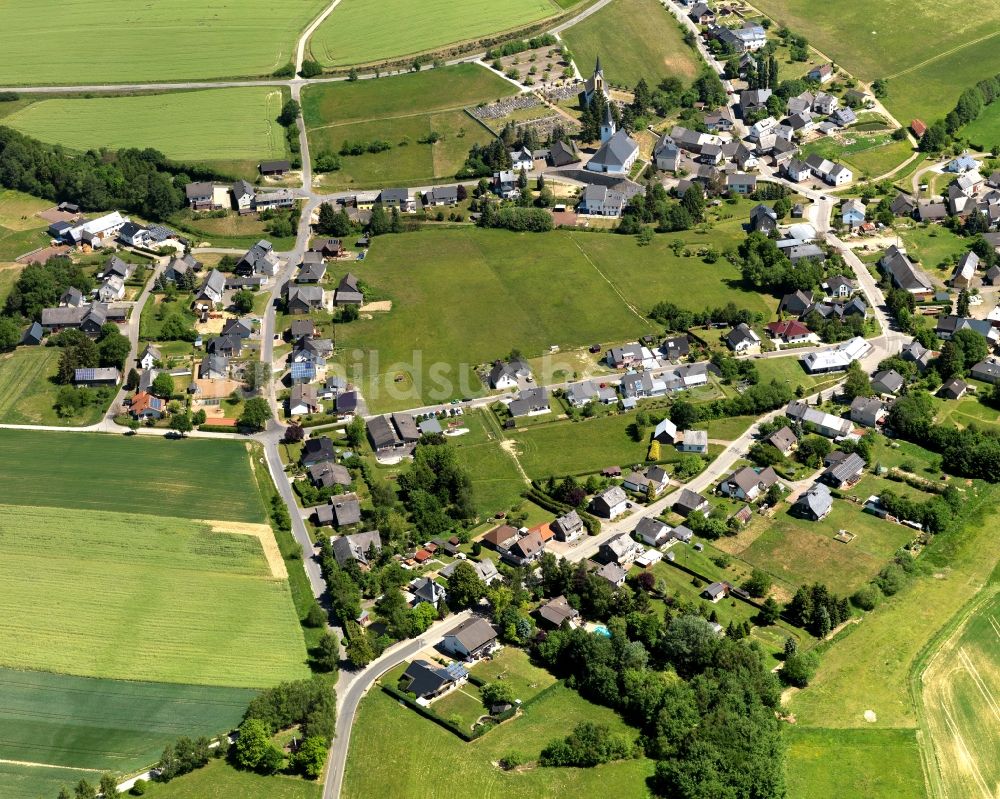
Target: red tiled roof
[(422, 555), (788, 329), (918, 127)]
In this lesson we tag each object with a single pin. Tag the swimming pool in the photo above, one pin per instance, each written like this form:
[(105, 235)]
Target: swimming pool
[(600, 629)]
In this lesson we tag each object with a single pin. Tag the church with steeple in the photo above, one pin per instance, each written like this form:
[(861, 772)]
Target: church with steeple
[(594, 84)]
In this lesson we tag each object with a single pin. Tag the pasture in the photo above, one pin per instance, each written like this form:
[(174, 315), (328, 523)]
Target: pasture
[(797, 552), (866, 155), (27, 390), (219, 780), (496, 482), (929, 52), (8, 277), (405, 28), (853, 763), (82, 722), (383, 110), (867, 666), (222, 125), (562, 288), (130, 596), (22, 781), (634, 39), (984, 132), (168, 40), (189, 479), (959, 686), (384, 732)]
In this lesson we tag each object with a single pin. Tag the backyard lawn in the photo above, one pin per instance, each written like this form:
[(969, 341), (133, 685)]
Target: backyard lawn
[(348, 37), (386, 733), (634, 39), (513, 666)]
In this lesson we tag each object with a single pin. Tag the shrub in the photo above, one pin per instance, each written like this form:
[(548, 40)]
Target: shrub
[(799, 669), (865, 597), (138, 788)]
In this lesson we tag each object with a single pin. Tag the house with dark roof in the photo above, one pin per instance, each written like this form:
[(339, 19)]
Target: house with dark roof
[(815, 503), (917, 353), (530, 402), (612, 573), (557, 612), (525, 550), (311, 270), (200, 196), (258, 260), (868, 411), (427, 681), (954, 389), (274, 168), (748, 483), (763, 219), (303, 299), (988, 371), (716, 591), (356, 547), (784, 440), (98, 376), (563, 153), (620, 549), (845, 473), (689, 502), (317, 450), (348, 292), (471, 640), (742, 338), (327, 474), (888, 381), (795, 304), (616, 155), (652, 531)]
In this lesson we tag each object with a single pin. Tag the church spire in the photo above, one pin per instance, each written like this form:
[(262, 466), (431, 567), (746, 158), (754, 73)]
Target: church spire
[(597, 66)]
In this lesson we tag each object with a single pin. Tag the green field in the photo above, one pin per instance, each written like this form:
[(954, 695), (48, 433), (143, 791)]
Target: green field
[(82, 722), (959, 684), (128, 596), (984, 132), (218, 780), (40, 782), (496, 482), (168, 40), (930, 52), (27, 390), (213, 125), (934, 246), (427, 760), (853, 764), (20, 231), (8, 277), (634, 39), (197, 479), (797, 551), (450, 288), (385, 109), (405, 28)]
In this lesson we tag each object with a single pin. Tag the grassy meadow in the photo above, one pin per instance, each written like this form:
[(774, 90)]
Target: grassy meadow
[(496, 482), (219, 780), (405, 28), (219, 125), (385, 109), (634, 39), (82, 722), (23, 781), (866, 155), (984, 132), (20, 231), (28, 390), (464, 297), (129, 596), (929, 52), (168, 40), (384, 732), (198, 479)]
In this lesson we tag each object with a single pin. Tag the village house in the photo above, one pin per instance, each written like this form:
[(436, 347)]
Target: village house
[(888, 381), (610, 503), (789, 332), (853, 213), (905, 275), (98, 376), (716, 592), (846, 472), (395, 431), (505, 374), (837, 358), (815, 503), (742, 339), (586, 391), (965, 271), (569, 527), (525, 550), (342, 510), (428, 681), (624, 357), (695, 441), (988, 371), (275, 168), (144, 406), (348, 291), (304, 299), (868, 411), (784, 440), (748, 483), (652, 531), (471, 640), (327, 474), (689, 502), (813, 419), (530, 402), (954, 389), (557, 612), (357, 547), (654, 479), (613, 574)]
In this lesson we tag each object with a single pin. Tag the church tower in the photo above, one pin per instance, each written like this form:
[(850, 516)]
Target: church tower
[(607, 124)]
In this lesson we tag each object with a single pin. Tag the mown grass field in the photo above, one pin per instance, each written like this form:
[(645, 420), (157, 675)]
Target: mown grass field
[(128, 596), (20, 230), (935, 246), (853, 764), (634, 39), (216, 124), (465, 297), (960, 684), (27, 391), (797, 551), (83, 722), (198, 479), (401, 110), (896, 40), (8, 277), (40, 782), (168, 40), (984, 132), (384, 732), (219, 780), (404, 28), (496, 482)]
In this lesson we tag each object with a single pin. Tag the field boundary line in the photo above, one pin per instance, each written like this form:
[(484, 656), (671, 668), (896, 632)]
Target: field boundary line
[(941, 55), (614, 288), (32, 764)]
